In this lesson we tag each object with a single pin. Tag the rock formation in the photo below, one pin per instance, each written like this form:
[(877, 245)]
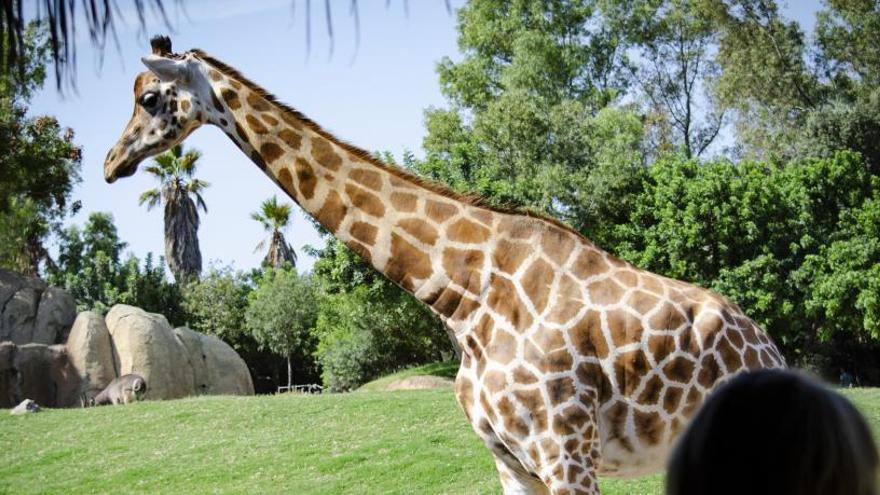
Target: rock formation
[(145, 344), (217, 368), (35, 317), (91, 351), (32, 312), (46, 375)]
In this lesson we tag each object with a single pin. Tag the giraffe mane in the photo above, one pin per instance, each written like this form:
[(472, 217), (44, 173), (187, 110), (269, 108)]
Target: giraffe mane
[(472, 199)]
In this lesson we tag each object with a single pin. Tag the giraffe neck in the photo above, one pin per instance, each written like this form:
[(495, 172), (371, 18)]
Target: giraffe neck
[(432, 245)]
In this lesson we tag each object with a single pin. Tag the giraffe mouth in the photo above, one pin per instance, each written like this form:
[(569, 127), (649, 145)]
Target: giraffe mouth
[(113, 172)]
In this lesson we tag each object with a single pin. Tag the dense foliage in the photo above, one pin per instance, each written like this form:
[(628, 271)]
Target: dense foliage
[(367, 326), (281, 314), (39, 164), (91, 267)]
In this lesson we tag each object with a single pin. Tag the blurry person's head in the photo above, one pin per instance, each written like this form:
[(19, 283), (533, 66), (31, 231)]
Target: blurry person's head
[(774, 432)]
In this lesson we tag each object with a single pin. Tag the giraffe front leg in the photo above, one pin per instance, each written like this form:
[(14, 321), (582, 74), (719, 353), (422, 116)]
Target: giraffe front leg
[(574, 472), (515, 481), (571, 455)]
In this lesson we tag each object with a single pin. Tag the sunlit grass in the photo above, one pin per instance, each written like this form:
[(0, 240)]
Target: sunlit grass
[(365, 442)]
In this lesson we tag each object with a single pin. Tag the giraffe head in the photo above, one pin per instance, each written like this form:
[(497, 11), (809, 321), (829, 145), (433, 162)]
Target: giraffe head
[(169, 106)]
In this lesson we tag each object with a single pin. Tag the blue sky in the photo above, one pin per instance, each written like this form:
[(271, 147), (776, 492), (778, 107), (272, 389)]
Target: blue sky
[(373, 97)]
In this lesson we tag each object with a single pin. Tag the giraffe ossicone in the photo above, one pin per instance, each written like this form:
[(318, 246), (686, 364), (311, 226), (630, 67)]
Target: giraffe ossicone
[(574, 363)]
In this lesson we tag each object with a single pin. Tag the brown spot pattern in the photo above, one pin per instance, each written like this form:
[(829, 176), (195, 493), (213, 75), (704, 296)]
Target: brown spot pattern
[(419, 229), (231, 98), (404, 202), (367, 178), (439, 212), (331, 214), (255, 124), (407, 263), (270, 152), (467, 231), (536, 283), (365, 201), (257, 102), (323, 153), (364, 232), (290, 138), (305, 178), (504, 300), (463, 267)]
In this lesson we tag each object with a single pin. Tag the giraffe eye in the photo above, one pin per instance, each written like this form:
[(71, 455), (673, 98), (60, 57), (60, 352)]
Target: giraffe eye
[(149, 100)]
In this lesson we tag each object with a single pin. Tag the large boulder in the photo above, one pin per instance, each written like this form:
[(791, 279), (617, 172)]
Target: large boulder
[(145, 344), (46, 375), (31, 311), (217, 368), (10, 391), (91, 351), (56, 314)]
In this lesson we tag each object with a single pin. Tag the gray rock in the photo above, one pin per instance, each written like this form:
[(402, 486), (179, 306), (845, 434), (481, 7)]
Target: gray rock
[(19, 316), (46, 374), (55, 316), (217, 368), (27, 406), (30, 311), (10, 390), (145, 344), (90, 349)]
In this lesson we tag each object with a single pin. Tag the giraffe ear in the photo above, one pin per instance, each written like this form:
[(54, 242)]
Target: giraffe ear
[(167, 69)]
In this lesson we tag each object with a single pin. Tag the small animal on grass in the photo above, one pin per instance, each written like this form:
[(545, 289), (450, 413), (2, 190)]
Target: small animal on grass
[(123, 390)]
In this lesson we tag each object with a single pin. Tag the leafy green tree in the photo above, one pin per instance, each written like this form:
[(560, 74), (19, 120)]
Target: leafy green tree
[(281, 314), (845, 34), (366, 325), (39, 164), (843, 278), (91, 268), (178, 187), (674, 39), (765, 80), (529, 122), (275, 218), (759, 233), (216, 304)]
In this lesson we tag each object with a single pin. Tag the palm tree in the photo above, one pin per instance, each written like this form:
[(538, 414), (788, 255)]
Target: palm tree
[(174, 170), (275, 218)]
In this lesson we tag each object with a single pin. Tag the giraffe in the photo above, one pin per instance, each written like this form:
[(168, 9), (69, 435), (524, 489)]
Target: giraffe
[(574, 363)]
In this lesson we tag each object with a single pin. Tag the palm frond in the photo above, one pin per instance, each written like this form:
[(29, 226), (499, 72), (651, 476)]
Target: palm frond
[(165, 160), (200, 202), (189, 160), (196, 186), (152, 197)]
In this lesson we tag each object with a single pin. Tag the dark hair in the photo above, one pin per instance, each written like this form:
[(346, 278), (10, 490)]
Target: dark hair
[(775, 431)]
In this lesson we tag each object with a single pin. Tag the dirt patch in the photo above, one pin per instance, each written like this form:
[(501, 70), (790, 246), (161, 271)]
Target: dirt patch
[(419, 382)]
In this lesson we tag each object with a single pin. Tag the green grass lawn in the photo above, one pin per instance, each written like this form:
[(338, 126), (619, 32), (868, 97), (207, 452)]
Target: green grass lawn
[(364, 442)]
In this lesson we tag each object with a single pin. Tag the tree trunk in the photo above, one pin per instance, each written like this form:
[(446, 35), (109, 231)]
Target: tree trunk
[(289, 374)]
